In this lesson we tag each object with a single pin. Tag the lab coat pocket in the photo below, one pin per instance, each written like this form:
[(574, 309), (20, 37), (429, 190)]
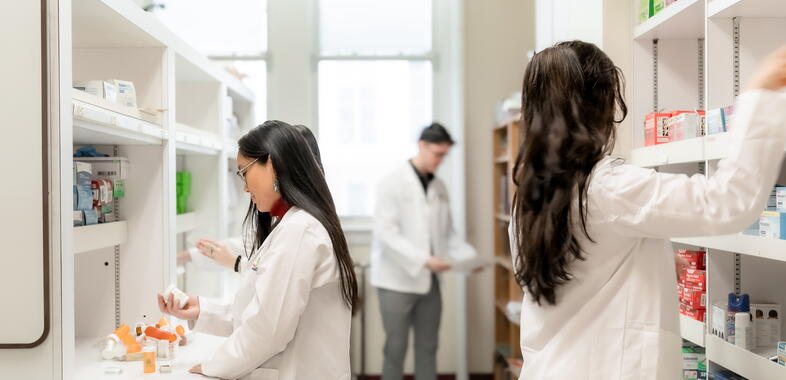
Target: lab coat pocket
[(263, 374), (640, 356)]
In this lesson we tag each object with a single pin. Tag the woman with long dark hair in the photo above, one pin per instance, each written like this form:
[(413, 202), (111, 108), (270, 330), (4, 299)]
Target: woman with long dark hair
[(291, 316), (590, 234)]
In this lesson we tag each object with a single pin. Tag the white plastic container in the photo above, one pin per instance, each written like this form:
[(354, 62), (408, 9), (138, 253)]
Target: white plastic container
[(179, 296), (743, 331)]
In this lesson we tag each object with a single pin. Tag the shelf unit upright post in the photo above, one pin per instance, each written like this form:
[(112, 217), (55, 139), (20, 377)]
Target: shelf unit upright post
[(507, 331)]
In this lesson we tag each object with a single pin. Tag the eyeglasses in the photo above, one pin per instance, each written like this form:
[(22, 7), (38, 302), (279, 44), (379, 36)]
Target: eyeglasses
[(242, 171)]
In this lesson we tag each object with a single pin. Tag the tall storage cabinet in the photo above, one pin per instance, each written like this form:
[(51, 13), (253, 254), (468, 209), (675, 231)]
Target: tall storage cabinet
[(699, 54), (181, 124)]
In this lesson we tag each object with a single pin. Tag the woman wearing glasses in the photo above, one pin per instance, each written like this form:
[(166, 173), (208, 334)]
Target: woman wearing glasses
[(229, 253), (298, 289)]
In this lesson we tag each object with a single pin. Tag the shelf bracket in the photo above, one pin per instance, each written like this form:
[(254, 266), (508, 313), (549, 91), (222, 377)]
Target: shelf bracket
[(736, 41), (701, 74), (655, 75), (116, 214)]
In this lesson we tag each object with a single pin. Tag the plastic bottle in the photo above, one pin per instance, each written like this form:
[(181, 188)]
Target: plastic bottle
[(743, 330), (738, 303), (149, 358), (179, 296)]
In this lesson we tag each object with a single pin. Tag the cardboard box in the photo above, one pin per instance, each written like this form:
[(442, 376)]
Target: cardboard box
[(695, 279), (655, 131), (772, 224), (782, 353), (697, 314), (766, 324), (126, 93), (696, 299), (685, 125), (718, 320), (695, 259), (657, 6), (715, 121), (100, 88), (780, 199)]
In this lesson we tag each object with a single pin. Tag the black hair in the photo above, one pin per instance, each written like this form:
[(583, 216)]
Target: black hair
[(436, 133), (301, 184), (312, 143), (571, 97)]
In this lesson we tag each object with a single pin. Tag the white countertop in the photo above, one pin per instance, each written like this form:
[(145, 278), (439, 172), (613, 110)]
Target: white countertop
[(91, 366)]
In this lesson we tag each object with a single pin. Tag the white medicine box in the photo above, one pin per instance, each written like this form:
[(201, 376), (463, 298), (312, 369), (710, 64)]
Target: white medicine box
[(766, 324), (100, 88), (112, 168)]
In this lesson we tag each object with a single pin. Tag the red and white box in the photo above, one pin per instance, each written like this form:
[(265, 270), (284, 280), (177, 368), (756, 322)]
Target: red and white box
[(655, 132), (696, 299), (697, 314), (685, 124), (695, 259), (695, 279)]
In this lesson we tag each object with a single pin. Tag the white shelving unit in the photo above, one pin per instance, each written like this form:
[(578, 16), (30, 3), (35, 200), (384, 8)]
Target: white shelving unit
[(699, 55), (751, 364), (184, 102), (97, 236), (692, 330), (683, 19)]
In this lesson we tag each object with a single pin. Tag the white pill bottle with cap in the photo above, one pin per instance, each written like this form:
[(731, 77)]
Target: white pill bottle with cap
[(743, 330), (179, 296)]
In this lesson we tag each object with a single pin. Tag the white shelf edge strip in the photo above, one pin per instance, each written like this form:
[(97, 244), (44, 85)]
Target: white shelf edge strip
[(97, 236), (768, 248)]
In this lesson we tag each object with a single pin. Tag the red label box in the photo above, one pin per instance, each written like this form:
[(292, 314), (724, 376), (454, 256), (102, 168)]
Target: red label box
[(695, 259), (695, 279)]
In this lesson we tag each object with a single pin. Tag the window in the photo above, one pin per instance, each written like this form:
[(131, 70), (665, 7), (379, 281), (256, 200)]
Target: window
[(232, 33), (375, 79)]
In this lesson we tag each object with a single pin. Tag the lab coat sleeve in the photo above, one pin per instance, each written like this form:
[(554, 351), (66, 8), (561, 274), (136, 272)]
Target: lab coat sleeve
[(283, 286), (458, 248), (215, 318), (387, 216), (644, 203)]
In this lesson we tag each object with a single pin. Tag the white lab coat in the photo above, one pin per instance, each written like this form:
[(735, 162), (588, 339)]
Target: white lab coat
[(407, 223), (618, 318), (288, 320)]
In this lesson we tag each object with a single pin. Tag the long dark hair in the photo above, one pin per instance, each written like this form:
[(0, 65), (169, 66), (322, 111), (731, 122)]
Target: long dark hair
[(571, 99), (301, 184)]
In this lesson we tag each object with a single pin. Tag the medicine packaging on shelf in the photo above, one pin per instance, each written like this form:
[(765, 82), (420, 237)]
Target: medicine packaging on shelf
[(126, 93), (643, 10), (696, 314), (718, 320), (694, 362), (685, 125), (780, 199), (694, 259), (772, 201), (782, 353), (657, 6), (696, 299), (100, 88), (655, 131), (695, 279), (772, 224), (718, 120), (766, 324)]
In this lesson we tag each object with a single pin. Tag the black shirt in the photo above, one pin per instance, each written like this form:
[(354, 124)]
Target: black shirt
[(425, 179)]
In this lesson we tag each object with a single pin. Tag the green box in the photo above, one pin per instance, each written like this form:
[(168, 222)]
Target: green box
[(182, 204), (643, 11), (656, 6)]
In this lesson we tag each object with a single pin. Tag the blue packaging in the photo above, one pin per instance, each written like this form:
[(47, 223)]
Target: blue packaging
[(84, 196), (772, 224), (91, 217)]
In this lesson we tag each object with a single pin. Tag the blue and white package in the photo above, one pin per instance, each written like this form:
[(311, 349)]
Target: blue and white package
[(91, 217), (84, 198)]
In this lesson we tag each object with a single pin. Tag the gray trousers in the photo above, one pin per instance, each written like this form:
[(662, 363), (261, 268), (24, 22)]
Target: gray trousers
[(402, 311)]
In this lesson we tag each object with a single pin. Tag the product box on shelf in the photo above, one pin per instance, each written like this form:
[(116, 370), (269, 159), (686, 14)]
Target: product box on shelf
[(126, 93), (685, 125), (695, 279), (782, 353), (697, 314), (780, 199), (772, 224), (655, 131), (718, 320), (696, 299), (100, 88), (643, 11), (656, 6), (695, 259), (114, 169), (766, 324), (694, 362)]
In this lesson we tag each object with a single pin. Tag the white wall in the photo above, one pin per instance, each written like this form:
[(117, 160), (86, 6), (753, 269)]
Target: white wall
[(498, 35)]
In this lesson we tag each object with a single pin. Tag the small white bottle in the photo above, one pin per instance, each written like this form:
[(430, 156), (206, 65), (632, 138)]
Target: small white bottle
[(743, 330), (179, 296)]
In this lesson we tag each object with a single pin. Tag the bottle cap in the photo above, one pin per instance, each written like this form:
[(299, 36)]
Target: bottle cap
[(739, 303)]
